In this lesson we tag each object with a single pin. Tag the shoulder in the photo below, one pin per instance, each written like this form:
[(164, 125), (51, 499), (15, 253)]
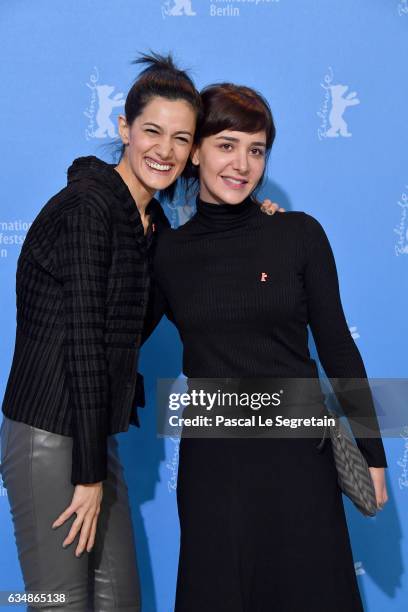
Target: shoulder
[(71, 202), (313, 229), (300, 220), (308, 221), (300, 226), (294, 217), (292, 221), (81, 200)]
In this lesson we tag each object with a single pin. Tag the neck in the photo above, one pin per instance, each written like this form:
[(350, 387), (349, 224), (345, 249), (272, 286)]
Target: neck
[(141, 194)]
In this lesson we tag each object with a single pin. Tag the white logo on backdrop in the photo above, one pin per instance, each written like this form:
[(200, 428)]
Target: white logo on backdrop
[(3, 490), (403, 8), (177, 8), (172, 465), (359, 569), (99, 111), (333, 108), (401, 247), (12, 234), (234, 11), (354, 332), (403, 461)]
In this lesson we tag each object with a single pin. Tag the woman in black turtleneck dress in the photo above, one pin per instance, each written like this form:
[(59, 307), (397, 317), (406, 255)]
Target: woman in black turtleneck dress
[(262, 520)]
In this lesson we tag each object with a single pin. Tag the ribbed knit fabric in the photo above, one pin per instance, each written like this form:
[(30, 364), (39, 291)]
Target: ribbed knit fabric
[(82, 291), (242, 288)]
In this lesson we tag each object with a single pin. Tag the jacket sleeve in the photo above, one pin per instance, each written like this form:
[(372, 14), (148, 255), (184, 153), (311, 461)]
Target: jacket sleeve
[(84, 259), (336, 348)]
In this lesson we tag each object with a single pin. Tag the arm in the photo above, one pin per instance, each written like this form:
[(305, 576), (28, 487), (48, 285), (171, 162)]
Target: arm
[(337, 350), (84, 259)]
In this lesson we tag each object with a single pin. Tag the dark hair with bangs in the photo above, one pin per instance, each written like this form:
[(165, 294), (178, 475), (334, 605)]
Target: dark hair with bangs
[(227, 106), (162, 78)]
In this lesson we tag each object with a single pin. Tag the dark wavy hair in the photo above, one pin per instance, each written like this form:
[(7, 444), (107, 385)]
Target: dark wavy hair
[(227, 106), (160, 77)]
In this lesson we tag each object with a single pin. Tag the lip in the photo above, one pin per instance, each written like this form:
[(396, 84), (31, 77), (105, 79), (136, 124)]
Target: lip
[(156, 161), (233, 185)]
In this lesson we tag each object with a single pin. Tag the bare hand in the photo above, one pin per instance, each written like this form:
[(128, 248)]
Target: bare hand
[(86, 503), (378, 478), (269, 208)]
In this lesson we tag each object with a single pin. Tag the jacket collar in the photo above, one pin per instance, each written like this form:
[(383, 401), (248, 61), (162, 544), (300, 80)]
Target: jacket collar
[(97, 170)]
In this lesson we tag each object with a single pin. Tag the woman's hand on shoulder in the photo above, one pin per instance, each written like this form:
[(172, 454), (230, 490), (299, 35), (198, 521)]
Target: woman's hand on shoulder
[(86, 504), (270, 208), (378, 478)]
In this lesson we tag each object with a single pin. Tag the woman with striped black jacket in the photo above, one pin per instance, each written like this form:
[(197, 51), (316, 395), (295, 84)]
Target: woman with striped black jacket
[(82, 291)]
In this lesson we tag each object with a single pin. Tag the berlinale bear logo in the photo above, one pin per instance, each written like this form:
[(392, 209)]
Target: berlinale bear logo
[(332, 109), (105, 107), (338, 126), (176, 8), (98, 113)]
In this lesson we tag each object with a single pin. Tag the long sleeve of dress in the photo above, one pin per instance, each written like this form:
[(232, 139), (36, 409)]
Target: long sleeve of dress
[(336, 348), (157, 308), (84, 257)]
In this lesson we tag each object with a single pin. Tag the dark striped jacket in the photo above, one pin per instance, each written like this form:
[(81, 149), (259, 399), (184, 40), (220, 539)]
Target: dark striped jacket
[(82, 291)]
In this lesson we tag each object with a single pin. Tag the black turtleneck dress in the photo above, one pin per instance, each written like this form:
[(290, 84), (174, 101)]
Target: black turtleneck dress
[(262, 520)]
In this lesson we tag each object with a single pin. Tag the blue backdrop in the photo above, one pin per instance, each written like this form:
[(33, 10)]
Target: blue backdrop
[(334, 73)]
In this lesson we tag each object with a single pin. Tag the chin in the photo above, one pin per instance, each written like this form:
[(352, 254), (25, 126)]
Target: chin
[(158, 183), (234, 198)]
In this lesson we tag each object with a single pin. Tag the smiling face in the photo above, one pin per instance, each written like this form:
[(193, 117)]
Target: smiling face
[(231, 164), (158, 143)]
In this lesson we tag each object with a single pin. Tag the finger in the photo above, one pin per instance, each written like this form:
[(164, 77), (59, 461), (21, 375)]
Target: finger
[(282, 210), (73, 532), (92, 535), (381, 503), (63, 517), (270, 209), (269, 205), (83, 538)]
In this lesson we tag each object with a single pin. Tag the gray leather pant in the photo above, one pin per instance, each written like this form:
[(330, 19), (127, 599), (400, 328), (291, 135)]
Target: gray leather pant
[(36, 470)]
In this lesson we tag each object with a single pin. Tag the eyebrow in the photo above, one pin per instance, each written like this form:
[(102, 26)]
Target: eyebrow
[(159, 128), (232, 139)]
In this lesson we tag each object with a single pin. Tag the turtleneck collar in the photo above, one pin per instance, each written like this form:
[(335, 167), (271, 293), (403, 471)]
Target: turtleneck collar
[(225, 215)]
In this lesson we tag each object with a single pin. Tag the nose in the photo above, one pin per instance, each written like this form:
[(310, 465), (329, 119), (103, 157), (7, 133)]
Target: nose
[(240, 162), (164, 148)]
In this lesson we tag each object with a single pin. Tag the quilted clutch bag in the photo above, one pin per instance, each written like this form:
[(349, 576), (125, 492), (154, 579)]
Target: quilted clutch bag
[(353, 474)]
